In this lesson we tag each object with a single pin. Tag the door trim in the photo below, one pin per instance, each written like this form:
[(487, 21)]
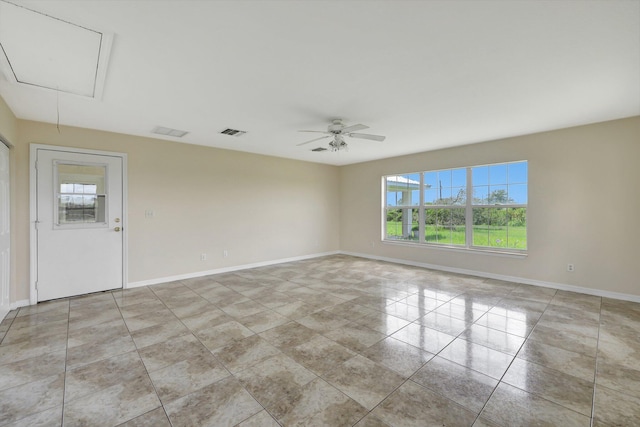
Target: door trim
[(5, 288), (33, 237)]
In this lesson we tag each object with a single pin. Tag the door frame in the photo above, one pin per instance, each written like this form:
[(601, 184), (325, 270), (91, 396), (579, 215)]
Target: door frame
[(5, 292), (33, 234)]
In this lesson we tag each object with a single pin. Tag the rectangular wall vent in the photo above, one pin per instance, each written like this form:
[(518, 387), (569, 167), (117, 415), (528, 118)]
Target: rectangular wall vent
[(169, 132), (233, 132), (319, 149)]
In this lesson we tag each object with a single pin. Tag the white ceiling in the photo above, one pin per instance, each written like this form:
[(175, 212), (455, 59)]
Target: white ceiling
[(427, 74)]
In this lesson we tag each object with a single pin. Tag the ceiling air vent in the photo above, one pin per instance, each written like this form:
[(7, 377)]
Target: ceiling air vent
[(169, 132), (233, 132), (319, 149)]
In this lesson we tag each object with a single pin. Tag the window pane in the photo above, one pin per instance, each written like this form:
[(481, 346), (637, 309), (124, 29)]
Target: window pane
[(445, 226), (517, 228), (459, 177), (445, 188), (392, 198), (403, 190), (518, 194), (430, 197), (481, 226), (444, 178), (402, 224), (480, 195), (497, 174), (498, 195), (500, 227), (81, 183), (518, 173), (458, 196), (89, 208), (480, 175), (431, 180)]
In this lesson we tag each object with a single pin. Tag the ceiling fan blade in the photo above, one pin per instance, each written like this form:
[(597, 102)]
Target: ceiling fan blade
[(353, 128), (378, 138), (316, 139), (316, 131)]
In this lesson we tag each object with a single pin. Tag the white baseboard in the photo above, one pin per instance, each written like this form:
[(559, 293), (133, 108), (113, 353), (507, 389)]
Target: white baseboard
[(561, 286), (13, 306), (225, 270), (19, 303)]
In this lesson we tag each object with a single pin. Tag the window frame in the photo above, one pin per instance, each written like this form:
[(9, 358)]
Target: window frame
[(468, 206)]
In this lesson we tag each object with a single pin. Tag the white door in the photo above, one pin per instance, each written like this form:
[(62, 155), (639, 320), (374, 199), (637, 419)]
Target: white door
[(79, 212), (5, 237)]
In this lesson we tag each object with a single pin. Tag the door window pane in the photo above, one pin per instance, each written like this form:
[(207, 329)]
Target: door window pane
[(81, 193)]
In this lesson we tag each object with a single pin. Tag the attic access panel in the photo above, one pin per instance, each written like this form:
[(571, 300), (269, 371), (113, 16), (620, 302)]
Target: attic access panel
[(43, 51)]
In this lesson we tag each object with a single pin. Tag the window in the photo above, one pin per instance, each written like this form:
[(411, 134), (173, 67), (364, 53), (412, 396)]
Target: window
[(434, 207), (80, 193)]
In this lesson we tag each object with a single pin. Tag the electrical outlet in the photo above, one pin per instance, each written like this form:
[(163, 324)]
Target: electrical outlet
[(571, 267), (203, 257), (225, 253)]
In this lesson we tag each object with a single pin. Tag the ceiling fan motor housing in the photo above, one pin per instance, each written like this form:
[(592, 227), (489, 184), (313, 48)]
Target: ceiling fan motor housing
[(336, 127)]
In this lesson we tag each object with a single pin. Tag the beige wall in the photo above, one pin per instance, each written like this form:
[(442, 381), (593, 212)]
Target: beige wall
[(205, 200), (584, 205)]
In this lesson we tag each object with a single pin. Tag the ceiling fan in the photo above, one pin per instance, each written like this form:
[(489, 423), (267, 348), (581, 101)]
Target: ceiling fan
[(337, 130)]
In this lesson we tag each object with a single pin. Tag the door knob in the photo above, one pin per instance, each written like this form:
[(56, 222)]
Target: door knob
[(117, 229)]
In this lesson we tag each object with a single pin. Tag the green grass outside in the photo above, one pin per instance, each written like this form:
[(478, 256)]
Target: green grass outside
[(483, 235)]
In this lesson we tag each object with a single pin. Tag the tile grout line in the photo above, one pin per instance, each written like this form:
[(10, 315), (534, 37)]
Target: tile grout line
[(231, 374), (155, 390), (513, 359), (409, 378), (595, 374), (536, 394), (66, 354), (547, 309)]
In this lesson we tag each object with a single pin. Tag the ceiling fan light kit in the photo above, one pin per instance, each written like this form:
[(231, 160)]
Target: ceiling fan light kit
[(338, 131), (338, 144)]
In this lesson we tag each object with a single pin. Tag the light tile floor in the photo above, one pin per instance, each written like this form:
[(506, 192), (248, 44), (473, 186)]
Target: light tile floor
[(330, 341)]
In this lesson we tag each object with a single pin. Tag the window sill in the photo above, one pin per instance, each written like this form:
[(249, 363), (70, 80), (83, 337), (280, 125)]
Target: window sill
[(488, 251)]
